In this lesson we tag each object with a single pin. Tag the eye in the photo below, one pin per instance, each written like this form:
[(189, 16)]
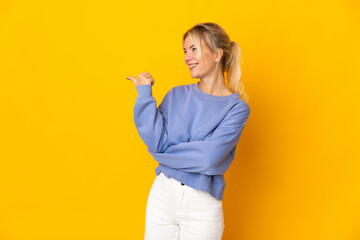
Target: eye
[(192, 49)]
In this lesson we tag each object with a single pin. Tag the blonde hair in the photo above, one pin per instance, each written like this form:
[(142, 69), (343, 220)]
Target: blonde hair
[(215, 37)]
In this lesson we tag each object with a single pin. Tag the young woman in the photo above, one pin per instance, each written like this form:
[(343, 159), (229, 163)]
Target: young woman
[(193, 135)]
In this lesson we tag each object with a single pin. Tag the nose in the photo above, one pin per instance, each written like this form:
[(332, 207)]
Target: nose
[(187, 57)]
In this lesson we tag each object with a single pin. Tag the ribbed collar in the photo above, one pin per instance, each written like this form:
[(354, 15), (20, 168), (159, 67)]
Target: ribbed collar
[(207, 96)]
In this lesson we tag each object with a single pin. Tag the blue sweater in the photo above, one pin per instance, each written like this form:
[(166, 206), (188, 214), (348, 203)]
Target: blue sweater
[(192, 134)]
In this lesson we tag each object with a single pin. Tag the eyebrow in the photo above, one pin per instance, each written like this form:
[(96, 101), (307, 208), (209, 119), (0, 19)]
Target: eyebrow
[(189, 47)]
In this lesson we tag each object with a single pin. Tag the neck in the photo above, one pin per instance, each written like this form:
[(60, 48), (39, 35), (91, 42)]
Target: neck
[(214, 84)]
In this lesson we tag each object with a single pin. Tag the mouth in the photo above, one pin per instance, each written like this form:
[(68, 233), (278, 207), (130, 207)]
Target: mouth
[(191, 67)]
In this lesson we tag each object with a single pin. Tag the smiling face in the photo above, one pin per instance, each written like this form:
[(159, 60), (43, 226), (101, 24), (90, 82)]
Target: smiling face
[(203, 67)]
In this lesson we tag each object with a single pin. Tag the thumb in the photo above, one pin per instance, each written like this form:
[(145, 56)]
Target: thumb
[(132, 79)]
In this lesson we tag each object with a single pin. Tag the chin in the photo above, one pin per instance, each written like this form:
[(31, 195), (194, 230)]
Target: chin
[(194, 75)]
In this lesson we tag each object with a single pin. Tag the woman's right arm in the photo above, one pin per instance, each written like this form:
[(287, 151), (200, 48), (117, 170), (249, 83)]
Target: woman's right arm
[(150, 121)]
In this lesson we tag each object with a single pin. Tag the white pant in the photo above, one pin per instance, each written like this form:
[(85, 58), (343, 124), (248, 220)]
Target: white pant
[(176, 211)]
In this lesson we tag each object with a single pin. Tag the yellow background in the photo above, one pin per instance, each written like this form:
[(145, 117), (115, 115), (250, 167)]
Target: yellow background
[(72, 165)]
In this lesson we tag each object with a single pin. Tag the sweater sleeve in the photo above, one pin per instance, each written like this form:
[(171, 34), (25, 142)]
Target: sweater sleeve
[(211, 156), (150, 121)]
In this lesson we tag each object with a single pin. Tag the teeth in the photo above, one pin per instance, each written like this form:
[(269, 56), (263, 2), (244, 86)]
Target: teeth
[(192, 65)]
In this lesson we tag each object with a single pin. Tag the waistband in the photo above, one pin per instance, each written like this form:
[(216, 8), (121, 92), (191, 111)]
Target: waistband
[(178, 183)]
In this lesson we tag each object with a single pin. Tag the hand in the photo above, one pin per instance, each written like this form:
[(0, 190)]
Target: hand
[(144, 78)]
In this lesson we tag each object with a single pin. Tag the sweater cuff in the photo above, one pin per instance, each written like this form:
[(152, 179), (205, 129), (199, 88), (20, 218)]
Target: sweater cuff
[(144, 90)]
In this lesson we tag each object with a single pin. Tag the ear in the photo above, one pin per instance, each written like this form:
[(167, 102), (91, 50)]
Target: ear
[(219, 54)]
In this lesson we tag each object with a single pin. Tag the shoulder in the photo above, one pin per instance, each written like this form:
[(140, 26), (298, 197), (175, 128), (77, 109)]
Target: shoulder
[(240, 110), (184, 87), (242, 106), (180, 89)]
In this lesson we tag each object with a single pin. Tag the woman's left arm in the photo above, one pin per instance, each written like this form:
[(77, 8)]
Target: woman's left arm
[(210, 156)]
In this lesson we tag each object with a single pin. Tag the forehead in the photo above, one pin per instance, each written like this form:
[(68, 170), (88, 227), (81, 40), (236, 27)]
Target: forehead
[(189, 43)]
